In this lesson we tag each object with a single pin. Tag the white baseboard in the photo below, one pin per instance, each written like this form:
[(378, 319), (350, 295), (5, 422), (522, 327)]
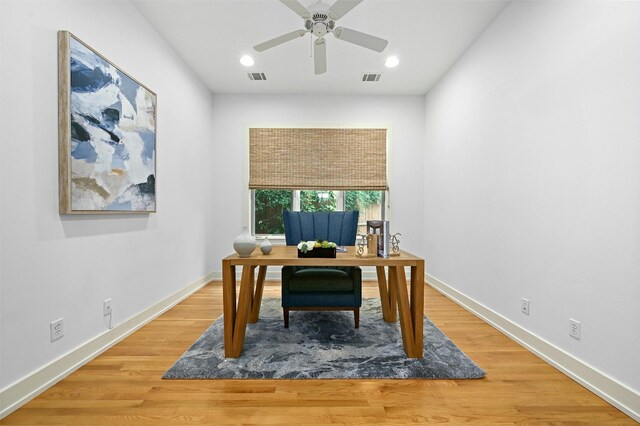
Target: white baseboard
[(620, 396), (19, 393)]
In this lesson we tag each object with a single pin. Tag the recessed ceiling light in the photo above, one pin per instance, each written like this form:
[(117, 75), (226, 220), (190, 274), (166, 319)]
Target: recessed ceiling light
[(392, 61), (246, 60)]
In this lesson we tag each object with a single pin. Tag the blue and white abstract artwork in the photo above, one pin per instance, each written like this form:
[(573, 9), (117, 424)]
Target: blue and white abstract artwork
[(113, 137)]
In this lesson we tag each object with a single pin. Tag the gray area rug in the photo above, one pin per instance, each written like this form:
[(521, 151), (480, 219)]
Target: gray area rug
[(323, 345)]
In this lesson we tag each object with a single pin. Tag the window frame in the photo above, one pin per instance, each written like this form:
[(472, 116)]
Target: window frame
[(295, 206)]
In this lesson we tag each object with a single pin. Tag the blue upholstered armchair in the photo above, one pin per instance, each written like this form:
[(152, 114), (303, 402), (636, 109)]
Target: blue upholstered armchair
[(321, 287)]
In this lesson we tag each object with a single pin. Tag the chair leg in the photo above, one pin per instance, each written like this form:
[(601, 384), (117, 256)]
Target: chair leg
[(356, 317), (286, 317)]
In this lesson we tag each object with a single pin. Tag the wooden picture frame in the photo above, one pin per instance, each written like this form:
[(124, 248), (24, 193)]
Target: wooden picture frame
[(106, 135)]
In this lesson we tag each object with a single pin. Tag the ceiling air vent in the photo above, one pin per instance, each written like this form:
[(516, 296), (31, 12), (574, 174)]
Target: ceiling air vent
[(258, 76), (371, 77)]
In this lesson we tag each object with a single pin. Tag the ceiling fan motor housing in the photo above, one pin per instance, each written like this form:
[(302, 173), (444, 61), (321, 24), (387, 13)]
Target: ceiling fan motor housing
[(321, 22), (320, 16)]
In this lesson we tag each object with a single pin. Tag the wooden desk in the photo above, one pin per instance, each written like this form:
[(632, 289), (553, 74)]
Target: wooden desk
[(393, 292)]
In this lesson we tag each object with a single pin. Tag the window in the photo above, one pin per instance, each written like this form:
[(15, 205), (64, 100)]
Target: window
[(319, 164), (268, 205)]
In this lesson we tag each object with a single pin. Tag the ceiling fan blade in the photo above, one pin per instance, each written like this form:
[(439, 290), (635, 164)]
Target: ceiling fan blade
[(342, 7), (361, 39), (279, 40), (320, 56), (298, 8)]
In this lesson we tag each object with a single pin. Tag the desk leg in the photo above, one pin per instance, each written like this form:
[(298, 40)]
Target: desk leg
[(229, 305), (244, 308), (257, 296), (248, 308), (410, 318), (417, 306), (387, 296)]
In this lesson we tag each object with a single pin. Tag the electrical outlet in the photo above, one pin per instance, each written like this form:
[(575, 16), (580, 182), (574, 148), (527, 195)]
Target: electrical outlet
[(525, 306), (57, 329), (106, 307), (574, 328)]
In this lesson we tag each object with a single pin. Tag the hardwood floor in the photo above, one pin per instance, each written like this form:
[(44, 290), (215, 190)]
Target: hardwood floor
[(123, 386)]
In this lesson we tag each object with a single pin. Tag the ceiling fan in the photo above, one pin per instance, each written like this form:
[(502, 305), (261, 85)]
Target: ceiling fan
[(320, 19)]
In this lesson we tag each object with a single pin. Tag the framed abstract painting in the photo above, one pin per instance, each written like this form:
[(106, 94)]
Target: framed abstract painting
[(107, 135)]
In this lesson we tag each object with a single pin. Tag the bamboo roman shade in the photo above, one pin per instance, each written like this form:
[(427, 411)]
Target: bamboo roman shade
[(340, 159)]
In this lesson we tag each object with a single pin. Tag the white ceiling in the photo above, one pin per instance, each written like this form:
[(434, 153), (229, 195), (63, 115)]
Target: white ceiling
[(428, 36)]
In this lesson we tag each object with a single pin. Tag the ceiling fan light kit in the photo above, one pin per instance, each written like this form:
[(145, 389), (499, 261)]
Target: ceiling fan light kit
[(319, 20)]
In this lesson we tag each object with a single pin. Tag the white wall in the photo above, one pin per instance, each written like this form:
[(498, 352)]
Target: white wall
[(55, 266), (532, 183), (402, 115)]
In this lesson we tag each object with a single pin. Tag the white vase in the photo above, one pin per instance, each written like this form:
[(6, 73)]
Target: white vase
[(244, 244), (266, 246)]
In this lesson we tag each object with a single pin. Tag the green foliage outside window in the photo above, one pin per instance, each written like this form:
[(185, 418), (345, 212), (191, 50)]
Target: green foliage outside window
[(269, 205), (317, 201), (361, 200)]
